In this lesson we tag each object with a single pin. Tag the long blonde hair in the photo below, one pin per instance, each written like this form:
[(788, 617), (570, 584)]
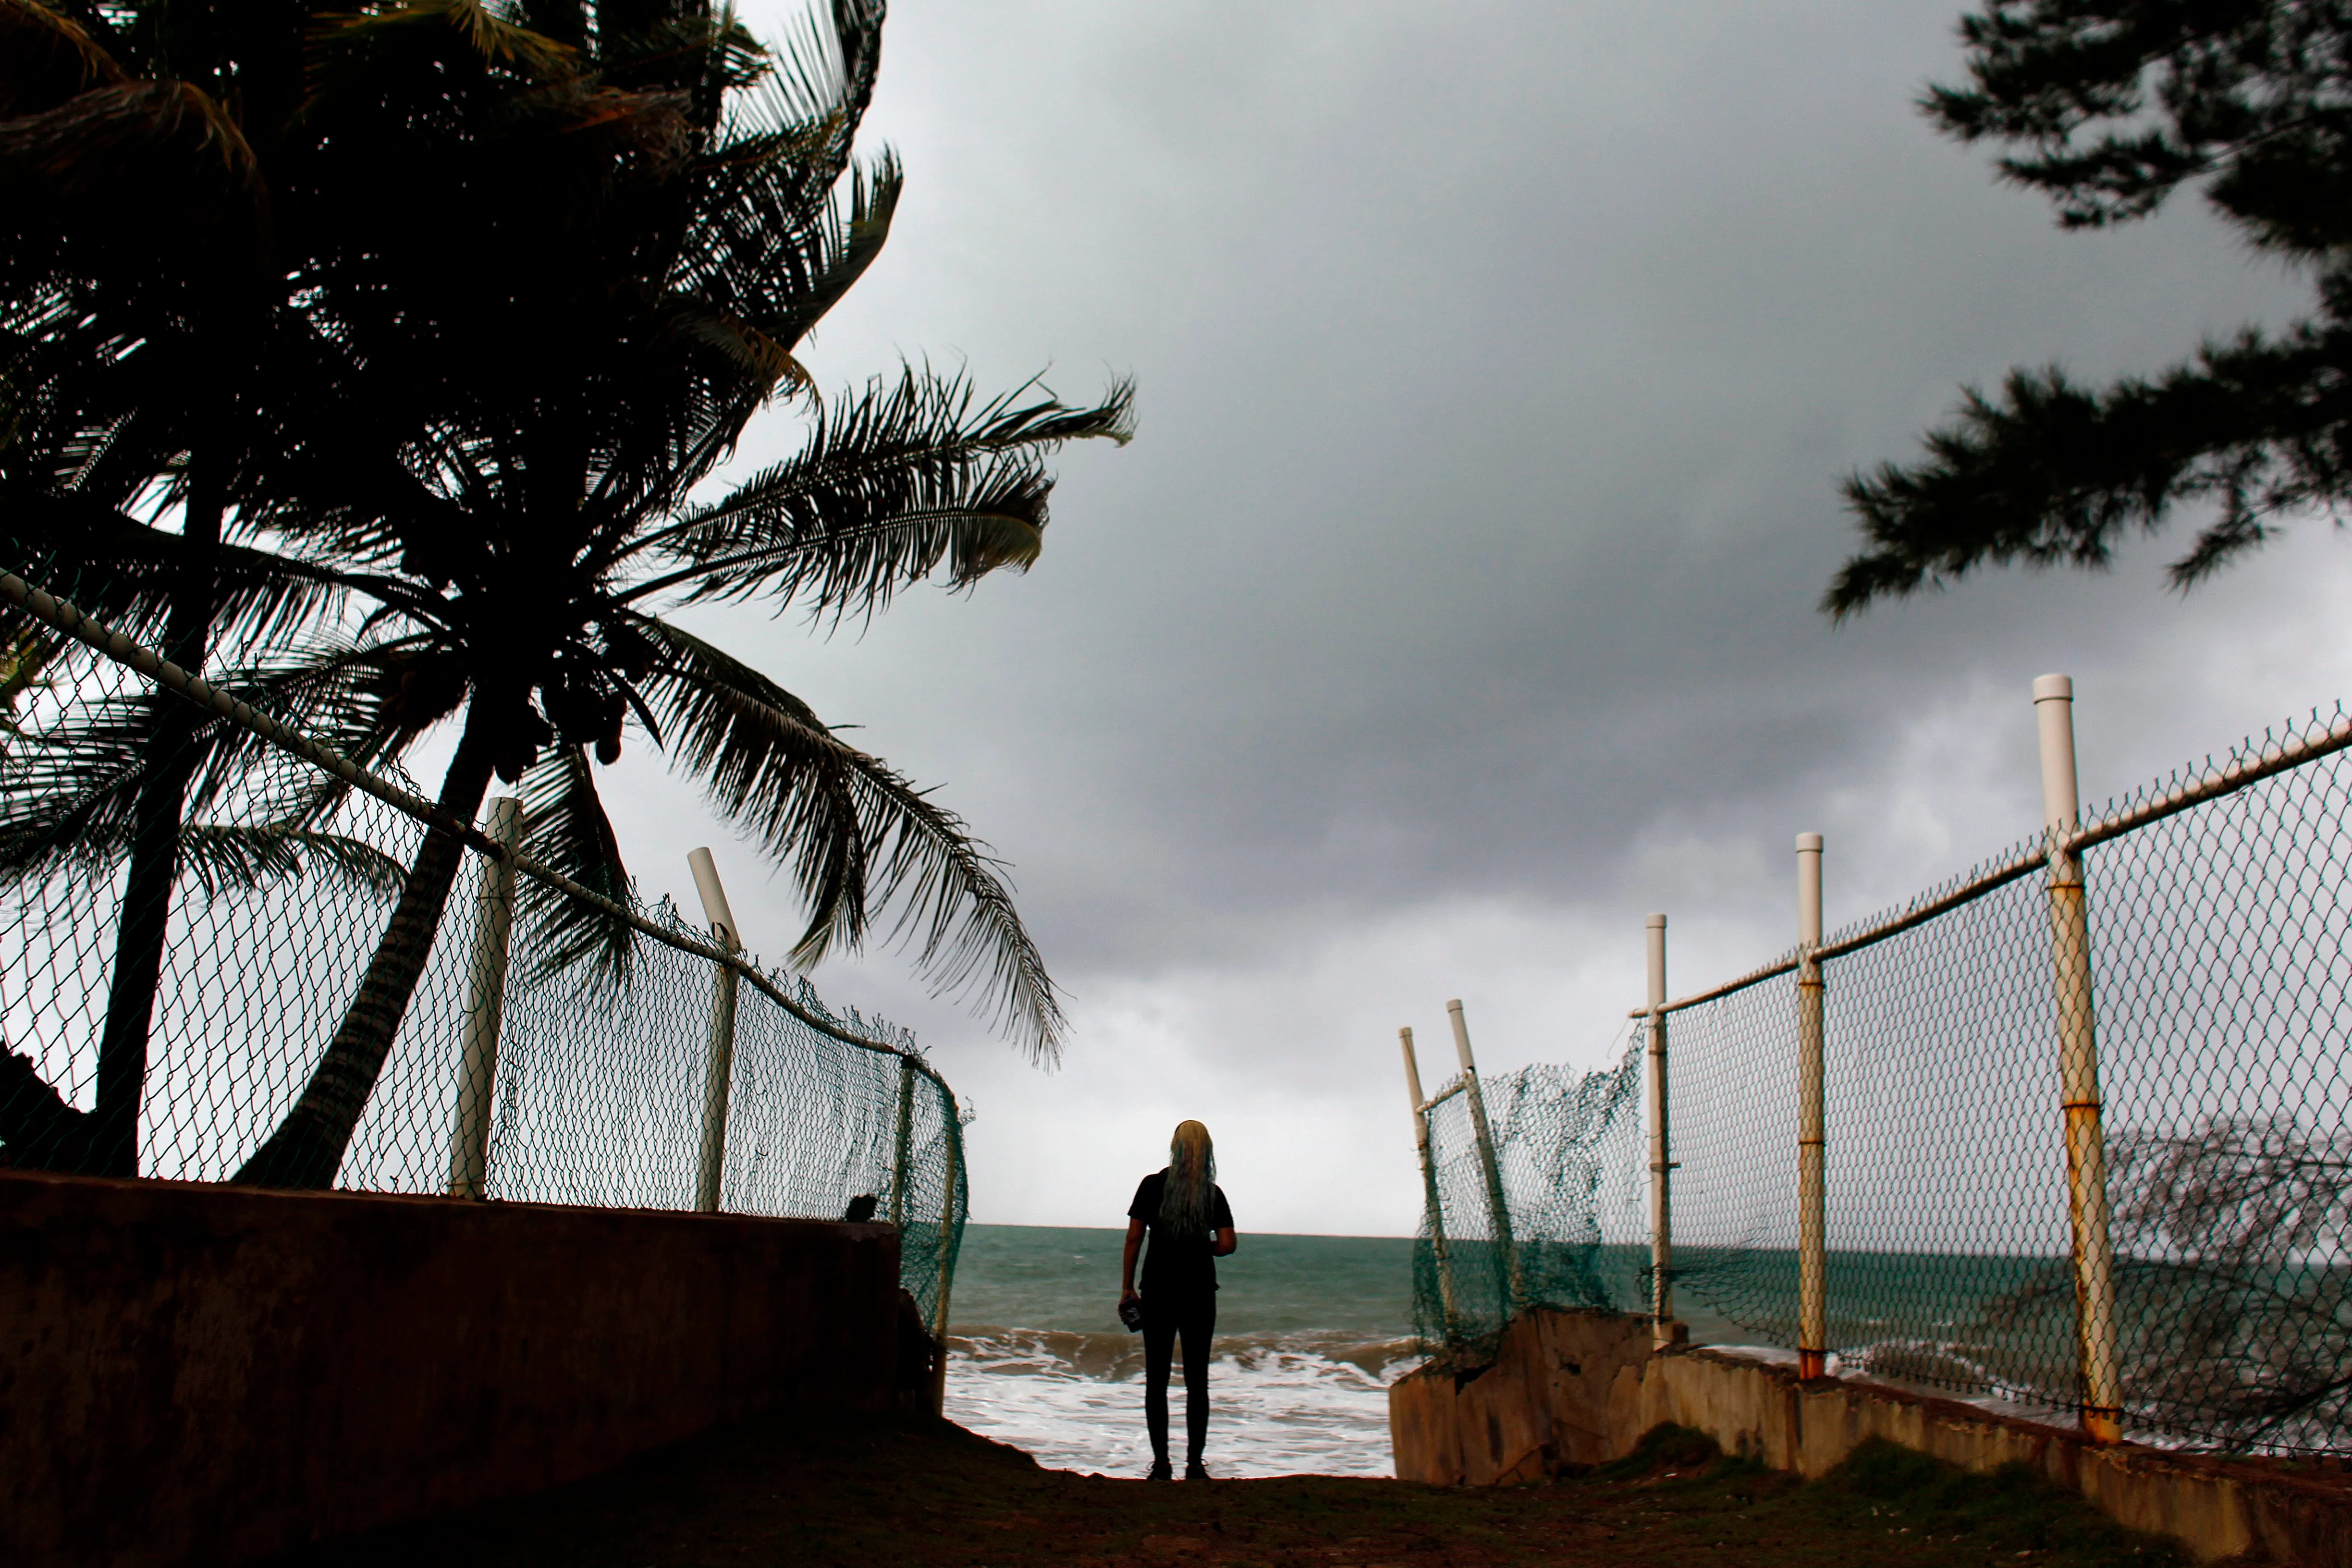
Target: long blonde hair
[(1191, 1176)]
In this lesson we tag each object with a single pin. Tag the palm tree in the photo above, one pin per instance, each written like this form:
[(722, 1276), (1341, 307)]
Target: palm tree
[(576, 263), (138, 301), (652, 200), (75, 780)]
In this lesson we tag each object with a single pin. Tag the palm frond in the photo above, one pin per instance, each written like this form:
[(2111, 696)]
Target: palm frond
[(765, 360), (165, 150), (46, 58), (752, 277), (890, 487), (855, 833), (847, 241), (565, 827), (29, 650), (128, 572), (228, 857), (823, 73), (343, 693), (73, 788), (692, 50), (86, 814), (75, 782), (344, 47)]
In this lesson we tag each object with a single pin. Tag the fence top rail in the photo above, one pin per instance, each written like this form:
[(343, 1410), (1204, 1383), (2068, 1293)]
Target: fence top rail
[(2268, 761), (2018, 863), (1753, 977), (124, 651), (2292, 753)]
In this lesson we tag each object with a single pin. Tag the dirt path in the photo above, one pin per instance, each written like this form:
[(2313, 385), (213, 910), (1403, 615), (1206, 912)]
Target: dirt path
[(881, 1494)]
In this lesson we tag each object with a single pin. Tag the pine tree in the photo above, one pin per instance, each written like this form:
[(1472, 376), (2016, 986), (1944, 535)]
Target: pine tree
[(2108, 109)]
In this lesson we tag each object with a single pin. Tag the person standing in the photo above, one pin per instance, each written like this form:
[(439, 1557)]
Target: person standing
[(1185, 1213)]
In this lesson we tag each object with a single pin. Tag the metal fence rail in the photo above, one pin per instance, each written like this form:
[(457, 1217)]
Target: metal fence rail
[(2070, 1134), (678, 1074)]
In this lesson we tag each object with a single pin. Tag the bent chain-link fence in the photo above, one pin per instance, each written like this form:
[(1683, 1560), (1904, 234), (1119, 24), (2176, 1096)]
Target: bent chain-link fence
[(595, 1085), (1566, 1148), (1962, 1247)]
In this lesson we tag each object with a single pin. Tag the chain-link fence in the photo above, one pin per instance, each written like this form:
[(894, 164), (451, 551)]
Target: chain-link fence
[(525, 1066), (1566, 1164), (2164, 985)]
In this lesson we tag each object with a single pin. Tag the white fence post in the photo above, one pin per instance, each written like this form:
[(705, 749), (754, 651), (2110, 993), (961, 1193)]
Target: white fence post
[(1497, 1207), (1812, 1182), (486, 1001), (1430, 1195), (2078, 1066), (718, 1069), (1662, 1249)]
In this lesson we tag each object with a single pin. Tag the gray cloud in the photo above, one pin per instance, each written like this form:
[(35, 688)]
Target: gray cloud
[(1453, 605)]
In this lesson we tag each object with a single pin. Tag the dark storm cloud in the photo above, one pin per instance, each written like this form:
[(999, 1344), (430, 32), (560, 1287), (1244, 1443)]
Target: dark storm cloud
[(1498, 363)]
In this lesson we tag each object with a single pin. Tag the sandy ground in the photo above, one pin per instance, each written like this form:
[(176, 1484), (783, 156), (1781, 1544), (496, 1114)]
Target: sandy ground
[(883, 1493)]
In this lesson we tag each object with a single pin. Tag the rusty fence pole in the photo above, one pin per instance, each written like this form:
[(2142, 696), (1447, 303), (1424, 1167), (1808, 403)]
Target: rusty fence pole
[(485, 1000), (1662, 1166), (1813, 1177), (1432, 1201), (718, 1064), (2078, 1066), (947, 1219), (952, 1145), (905, 1145), (1498, 1205)]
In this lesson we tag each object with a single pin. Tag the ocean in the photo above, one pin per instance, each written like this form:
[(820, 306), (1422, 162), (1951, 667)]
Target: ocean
[(1310, 1329)]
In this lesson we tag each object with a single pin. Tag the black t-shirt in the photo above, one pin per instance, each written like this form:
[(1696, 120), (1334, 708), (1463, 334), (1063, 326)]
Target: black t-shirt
[(1175, 1264)]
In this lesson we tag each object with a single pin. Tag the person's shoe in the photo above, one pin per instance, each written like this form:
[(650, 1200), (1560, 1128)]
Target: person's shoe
[(1195, 1471), (1161, 1471)]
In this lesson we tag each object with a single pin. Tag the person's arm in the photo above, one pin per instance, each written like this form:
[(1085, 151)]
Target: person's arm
[(1127, 1264), (1221, 1222)]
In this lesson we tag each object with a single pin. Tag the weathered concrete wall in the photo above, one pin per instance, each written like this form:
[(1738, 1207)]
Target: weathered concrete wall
[(195, 1374), (1544, 1403), (1571, 1388)]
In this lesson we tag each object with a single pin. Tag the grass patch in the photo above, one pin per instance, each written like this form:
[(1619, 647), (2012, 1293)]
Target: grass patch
[(1665, 1450), (1885, 1501), (2012, 1511)]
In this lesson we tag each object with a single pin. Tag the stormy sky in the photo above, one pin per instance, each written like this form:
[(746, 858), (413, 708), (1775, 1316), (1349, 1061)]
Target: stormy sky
[(1454, 603)]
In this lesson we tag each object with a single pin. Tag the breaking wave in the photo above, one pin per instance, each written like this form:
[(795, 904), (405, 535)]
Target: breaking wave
[(1311, 1402)]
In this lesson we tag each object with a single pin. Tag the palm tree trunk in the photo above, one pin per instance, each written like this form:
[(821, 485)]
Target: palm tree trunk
[(307, 1148), (111, 1143)]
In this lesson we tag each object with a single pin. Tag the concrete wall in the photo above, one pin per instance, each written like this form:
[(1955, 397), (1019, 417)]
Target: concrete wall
[(1577, 1388), (195, 1374)]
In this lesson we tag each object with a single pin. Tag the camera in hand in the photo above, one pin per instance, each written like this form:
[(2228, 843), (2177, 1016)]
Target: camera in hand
[(1130, 1312)]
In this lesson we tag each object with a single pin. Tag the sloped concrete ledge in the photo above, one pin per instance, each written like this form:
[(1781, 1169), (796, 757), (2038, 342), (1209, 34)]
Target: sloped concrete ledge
[(1574, 1388)]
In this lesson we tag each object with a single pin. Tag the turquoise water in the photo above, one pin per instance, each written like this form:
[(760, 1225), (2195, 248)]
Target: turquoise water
[(1043, 1276), (1309, 1330)]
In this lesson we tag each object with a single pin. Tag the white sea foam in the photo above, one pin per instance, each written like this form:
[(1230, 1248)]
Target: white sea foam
[(1282, 1405)]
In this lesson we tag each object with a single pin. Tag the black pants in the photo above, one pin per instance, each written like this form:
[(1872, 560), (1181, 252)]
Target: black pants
[(1164, 1318)]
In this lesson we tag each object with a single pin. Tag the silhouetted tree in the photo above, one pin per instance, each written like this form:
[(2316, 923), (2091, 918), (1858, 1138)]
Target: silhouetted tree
[(2233, 1280), (580, 262), (556, 258), (2108, 109), (151, 221)]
